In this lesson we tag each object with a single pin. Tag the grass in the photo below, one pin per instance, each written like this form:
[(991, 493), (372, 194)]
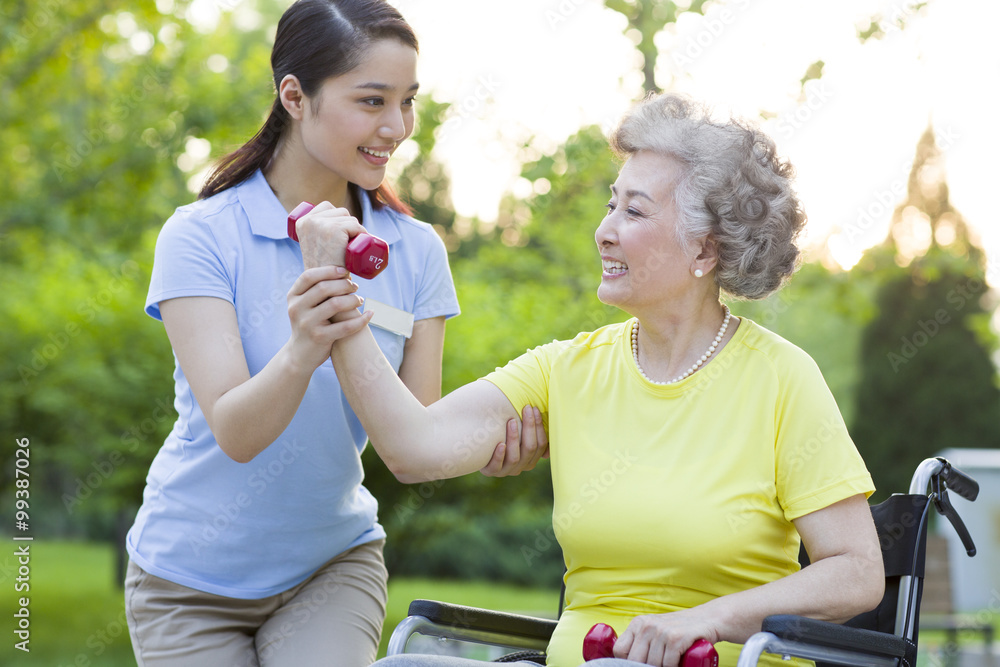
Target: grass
[(77, 612)]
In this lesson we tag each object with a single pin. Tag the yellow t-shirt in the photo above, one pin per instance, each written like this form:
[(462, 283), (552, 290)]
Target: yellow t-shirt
[(666, 497)]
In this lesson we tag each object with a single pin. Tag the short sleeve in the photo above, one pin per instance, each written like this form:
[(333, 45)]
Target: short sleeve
[(435, 295), (525, 380), (817, 463), (187, 262)]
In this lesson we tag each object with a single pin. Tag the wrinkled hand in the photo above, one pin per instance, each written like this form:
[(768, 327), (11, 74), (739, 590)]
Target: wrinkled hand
[(521, 451), (324, 233), (315, 297), (661, 639)]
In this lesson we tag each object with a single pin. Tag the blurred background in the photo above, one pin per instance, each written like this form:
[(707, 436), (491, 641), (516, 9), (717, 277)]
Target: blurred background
[(113, 112)]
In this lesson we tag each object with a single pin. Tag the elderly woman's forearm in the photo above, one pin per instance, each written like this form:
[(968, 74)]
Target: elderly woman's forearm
[(452, 437), (834, 589), (845, 579)]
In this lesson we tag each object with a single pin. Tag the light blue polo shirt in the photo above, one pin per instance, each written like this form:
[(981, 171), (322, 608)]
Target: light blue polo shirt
[(251, 530)]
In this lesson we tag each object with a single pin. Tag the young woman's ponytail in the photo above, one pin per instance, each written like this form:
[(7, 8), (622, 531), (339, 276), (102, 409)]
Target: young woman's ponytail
[(255, 154)]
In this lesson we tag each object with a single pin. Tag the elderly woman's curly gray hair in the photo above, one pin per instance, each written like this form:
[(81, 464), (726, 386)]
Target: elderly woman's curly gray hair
[(733, 189)]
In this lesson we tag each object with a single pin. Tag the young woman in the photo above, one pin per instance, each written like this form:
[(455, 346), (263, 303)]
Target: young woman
[(256, 543)]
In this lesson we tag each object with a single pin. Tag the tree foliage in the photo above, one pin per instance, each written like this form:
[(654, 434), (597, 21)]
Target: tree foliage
[(927, 379), (86, 378), (99, 143), (647, 18)]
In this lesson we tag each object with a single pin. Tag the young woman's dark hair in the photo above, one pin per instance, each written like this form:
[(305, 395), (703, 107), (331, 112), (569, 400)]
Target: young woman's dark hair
[(315, 40)]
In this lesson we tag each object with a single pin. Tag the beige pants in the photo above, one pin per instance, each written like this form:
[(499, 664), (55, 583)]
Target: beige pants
[(333, 618)]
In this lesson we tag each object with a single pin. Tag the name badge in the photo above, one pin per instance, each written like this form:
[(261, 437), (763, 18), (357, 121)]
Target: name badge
[(391, 319)]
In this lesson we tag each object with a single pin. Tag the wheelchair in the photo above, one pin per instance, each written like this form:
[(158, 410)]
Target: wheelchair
[(883, 637)]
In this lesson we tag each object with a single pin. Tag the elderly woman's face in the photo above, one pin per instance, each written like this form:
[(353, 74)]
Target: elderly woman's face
[(643, 262)]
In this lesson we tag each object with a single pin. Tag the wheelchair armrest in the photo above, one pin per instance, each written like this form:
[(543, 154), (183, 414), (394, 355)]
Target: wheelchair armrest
[(444, 613), (834, 635)]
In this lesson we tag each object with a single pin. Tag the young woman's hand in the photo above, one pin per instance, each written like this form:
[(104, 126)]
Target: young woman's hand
[(522, 450), (324, 233), (315, 297)]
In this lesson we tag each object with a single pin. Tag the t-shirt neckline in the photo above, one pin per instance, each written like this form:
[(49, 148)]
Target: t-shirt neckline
[(696, 378)]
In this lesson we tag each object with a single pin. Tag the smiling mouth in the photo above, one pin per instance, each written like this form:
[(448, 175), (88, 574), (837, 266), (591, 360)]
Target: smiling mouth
[(375, 153), (614, 268)]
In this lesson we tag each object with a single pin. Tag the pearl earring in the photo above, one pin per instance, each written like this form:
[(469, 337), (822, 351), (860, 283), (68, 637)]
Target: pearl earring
[(698, 273)]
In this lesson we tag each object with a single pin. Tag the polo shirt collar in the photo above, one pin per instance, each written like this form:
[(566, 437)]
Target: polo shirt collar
[(268, 218)]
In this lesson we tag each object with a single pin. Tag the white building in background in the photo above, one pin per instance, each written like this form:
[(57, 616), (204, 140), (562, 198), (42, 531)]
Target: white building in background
[(975, 582)]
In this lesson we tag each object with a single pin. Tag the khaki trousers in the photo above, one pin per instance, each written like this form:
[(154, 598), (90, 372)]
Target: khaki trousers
[(332, 618)]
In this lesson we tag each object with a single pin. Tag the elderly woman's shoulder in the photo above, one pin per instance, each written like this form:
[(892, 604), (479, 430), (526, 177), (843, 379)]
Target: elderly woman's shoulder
[(601, 339), (783, 354), (609, 334)]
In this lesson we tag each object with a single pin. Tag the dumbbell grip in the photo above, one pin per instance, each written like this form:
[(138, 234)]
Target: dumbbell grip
[(366, 255)]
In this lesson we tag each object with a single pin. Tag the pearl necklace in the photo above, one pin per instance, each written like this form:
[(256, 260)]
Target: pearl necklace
[(696, 365)]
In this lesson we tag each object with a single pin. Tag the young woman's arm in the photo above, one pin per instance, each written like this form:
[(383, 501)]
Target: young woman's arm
[(246, 414), (423, 355), (844, 579)]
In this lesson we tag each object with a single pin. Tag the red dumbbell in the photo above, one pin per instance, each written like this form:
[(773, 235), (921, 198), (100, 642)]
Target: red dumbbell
[(366, 256), (600, 640), (701, 654)]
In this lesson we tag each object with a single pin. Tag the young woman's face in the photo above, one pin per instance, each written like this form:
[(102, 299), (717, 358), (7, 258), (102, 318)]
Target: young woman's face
[(356, 120), (642, 260)]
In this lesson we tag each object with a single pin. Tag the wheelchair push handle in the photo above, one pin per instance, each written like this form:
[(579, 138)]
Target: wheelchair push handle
[(964, 486), (600, 640), (366, 255), (959, 482)]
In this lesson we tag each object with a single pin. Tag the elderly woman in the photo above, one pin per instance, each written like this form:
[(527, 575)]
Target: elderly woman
[(691, 450)]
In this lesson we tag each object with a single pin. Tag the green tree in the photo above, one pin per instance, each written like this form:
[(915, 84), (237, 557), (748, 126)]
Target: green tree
[(110, 108), (87, 379), (647, 18), (927, 378)]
